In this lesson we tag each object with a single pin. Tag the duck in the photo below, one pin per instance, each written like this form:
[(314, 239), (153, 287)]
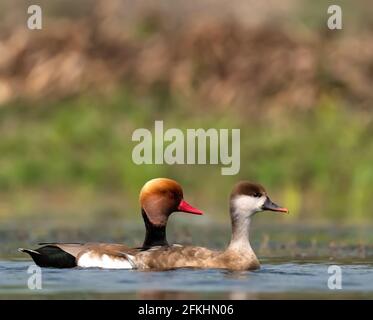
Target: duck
[(159, 198), (246, 200)]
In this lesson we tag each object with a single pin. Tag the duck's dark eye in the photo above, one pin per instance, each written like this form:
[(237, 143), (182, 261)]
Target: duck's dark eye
[(257, 194)]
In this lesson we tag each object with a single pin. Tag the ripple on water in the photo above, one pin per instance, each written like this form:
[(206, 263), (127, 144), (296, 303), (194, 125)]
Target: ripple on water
[(282, 278)]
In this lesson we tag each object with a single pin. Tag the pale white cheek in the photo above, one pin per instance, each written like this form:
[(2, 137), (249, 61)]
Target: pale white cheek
[(104, 261), (261, 202), (248, 203)]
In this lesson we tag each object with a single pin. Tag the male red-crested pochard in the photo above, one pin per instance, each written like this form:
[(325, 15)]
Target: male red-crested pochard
[(159, 198), (246, 200)]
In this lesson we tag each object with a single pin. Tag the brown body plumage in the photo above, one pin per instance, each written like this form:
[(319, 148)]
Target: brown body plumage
[(196, 257)]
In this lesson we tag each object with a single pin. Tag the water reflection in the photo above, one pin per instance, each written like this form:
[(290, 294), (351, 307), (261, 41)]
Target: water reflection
[(236, 275), (274, 280)]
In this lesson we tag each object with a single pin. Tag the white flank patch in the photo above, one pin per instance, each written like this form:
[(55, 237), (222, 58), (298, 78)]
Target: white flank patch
[(93, 260)]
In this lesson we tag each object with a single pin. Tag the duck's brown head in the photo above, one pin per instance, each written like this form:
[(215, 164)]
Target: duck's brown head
[(161, 197), (249, 198)]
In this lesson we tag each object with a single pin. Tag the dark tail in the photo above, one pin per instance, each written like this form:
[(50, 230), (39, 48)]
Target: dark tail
[(32, 253), (51, 257)]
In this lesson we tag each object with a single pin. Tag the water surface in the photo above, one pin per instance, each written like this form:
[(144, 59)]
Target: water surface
[(274, 280), (295, 261)]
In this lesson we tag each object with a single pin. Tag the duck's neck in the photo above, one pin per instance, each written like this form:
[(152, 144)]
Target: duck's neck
[(240, 231), (155, 235)]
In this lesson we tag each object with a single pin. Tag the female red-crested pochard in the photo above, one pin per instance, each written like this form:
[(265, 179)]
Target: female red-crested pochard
[(159, 198), (246, 200)]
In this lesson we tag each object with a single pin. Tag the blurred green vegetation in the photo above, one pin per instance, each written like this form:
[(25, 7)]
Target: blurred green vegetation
[(72, 94), (318, 163)]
